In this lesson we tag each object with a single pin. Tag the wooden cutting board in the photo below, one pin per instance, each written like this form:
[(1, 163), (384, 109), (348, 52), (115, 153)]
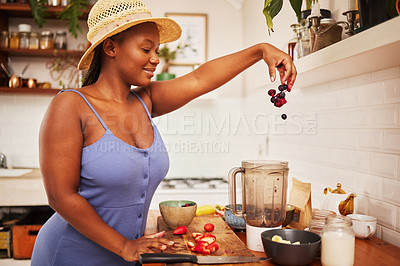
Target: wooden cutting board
[(229, 243)]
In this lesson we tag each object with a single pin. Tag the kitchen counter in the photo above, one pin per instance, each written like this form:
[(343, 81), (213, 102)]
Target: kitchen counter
[(373, 251)]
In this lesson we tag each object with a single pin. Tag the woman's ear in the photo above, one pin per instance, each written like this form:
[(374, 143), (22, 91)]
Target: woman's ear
[(109, 47)]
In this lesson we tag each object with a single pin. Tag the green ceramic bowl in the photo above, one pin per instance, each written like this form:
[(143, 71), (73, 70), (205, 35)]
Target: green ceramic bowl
[(174, 214)]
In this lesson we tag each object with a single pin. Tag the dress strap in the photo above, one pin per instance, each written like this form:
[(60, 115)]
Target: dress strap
[(144, 105), (91, 107)]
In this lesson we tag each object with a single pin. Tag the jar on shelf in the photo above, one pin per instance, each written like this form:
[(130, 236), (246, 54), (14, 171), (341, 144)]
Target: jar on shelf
[(337, 241), (302, 46), (54, 2), (34, 41), (60, 42), (46, 40), (24, 40), (14, 40), (4, 39)]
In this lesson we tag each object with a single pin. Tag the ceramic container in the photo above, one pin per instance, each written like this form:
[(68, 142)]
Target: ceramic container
[(175, 215), (364, 226)]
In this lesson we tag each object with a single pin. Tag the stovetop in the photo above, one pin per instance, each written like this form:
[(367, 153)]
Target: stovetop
[(194, 183)]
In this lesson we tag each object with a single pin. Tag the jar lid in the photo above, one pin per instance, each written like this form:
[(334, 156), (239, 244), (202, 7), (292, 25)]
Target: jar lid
[(24, 28), (327, 21), (47, 34), (61, 32), (34, 34)]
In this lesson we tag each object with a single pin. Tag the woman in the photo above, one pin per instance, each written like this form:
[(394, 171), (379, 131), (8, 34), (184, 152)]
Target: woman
[(101, 156)]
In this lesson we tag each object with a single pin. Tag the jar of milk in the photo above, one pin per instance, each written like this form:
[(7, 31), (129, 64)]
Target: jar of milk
[(337, 242)]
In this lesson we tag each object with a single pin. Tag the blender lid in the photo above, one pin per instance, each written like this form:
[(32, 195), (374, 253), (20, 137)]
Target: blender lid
[(265, 164)]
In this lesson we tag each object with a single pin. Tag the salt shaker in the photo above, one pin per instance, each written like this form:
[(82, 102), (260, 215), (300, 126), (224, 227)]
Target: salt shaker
[(337, 242)]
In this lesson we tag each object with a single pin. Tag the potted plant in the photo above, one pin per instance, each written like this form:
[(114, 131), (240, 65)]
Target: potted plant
[(168, 55), (71, 13)]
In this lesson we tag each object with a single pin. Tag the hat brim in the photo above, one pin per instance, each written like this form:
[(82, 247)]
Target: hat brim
[(168, 29)]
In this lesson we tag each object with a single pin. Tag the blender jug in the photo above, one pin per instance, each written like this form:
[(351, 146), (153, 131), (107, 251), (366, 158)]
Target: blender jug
[(264, 186)]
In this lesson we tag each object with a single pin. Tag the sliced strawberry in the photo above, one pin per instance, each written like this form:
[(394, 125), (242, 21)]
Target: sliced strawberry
[(209, 238), (180, 230), (213, 247), (190, 244), (196, 235)]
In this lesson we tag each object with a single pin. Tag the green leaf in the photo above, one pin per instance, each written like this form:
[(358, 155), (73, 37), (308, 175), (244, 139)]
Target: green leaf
[(391, 8), (296, 5), (39, 8), (308, 4), (275, 7), (71, 14), (267, 14)]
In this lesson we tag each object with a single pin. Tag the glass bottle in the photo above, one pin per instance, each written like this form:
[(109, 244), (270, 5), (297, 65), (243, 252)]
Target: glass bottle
[(60, 42), (337, 242), (14, 40), (292, 42), (4, 39), (34, 41)]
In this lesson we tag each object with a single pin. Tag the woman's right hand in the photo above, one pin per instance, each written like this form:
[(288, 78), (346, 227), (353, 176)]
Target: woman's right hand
[(145, 244)]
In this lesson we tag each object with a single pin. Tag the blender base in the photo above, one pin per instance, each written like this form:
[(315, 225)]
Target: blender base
[(253, 237)]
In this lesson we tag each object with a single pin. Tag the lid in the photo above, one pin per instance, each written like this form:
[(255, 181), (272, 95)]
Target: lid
[(60, 32), (47, 34), (34, 34), (14, 33), (327, 21), (265, 164), (24, 28), (4, 32), (338, 189)]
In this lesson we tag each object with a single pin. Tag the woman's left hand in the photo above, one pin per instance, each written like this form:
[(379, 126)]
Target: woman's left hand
[(281, 61)]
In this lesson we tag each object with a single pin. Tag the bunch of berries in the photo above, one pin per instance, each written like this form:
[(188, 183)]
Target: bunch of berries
[(278, 98)]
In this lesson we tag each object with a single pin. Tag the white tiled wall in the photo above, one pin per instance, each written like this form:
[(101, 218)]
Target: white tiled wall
[(356, 142)]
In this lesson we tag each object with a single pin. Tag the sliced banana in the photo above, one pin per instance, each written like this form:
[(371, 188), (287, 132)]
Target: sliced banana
[(277, 238)]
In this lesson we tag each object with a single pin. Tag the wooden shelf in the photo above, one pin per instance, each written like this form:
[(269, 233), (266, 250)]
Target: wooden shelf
[(41, 53), (29, 91), (24, 10)]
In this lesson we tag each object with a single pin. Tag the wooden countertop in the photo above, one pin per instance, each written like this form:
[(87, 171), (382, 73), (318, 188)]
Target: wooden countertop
[(373, 251)]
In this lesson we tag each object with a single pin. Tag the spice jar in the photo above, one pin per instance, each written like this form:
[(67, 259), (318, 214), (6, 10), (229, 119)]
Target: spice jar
[(24, 40), (4, 39), (46, 40), (14, 40), (60, 42), (34, 41), (337, 241)]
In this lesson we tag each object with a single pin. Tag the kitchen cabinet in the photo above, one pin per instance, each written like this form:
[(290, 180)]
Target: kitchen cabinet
[(15, 10)]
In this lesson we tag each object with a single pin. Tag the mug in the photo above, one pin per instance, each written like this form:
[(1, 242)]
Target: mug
[(364, 226)]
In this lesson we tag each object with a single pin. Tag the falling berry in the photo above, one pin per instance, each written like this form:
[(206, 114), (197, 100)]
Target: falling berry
[(281, 95), (282, 87), (271, 92), (284, 116)]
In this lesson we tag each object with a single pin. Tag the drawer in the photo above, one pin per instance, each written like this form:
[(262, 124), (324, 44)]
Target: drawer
[(23, 240)]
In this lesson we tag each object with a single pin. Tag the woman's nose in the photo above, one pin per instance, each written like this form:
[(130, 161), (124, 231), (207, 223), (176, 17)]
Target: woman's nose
[(155, 60)]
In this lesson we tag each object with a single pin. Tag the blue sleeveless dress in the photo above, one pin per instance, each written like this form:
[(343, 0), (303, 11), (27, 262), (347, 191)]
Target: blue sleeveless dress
[(119, 181)]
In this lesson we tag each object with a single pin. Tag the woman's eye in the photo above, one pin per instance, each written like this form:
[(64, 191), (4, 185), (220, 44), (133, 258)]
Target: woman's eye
[(146, 50)]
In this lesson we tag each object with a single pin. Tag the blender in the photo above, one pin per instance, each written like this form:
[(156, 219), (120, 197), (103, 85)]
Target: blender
[(264, 186)]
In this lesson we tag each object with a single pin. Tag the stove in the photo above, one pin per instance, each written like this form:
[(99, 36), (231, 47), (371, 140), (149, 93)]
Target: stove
[(201, 190)]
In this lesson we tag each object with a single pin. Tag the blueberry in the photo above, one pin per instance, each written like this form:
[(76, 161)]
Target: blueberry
[(274, 99), (284, 116), (281, 94), (282, 87)]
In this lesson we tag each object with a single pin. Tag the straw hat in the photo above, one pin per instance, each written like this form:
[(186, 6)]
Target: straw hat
[(107, 18)]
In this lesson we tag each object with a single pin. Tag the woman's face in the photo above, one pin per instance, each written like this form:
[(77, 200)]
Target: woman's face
[(136, 55)]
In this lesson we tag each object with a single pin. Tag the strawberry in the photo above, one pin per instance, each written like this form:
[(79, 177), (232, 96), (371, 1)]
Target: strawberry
[(180, 230), (209, 227), (209, 238)]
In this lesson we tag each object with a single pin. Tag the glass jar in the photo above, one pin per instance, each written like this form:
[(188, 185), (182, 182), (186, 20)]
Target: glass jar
[(337, 242), (4, 39), (60, 42), (24, 40), (14, 40), (46, 40), (54, 2), (303, 42), (34, 41)]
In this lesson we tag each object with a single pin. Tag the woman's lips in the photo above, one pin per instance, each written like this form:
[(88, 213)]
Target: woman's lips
[(149, 72)]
